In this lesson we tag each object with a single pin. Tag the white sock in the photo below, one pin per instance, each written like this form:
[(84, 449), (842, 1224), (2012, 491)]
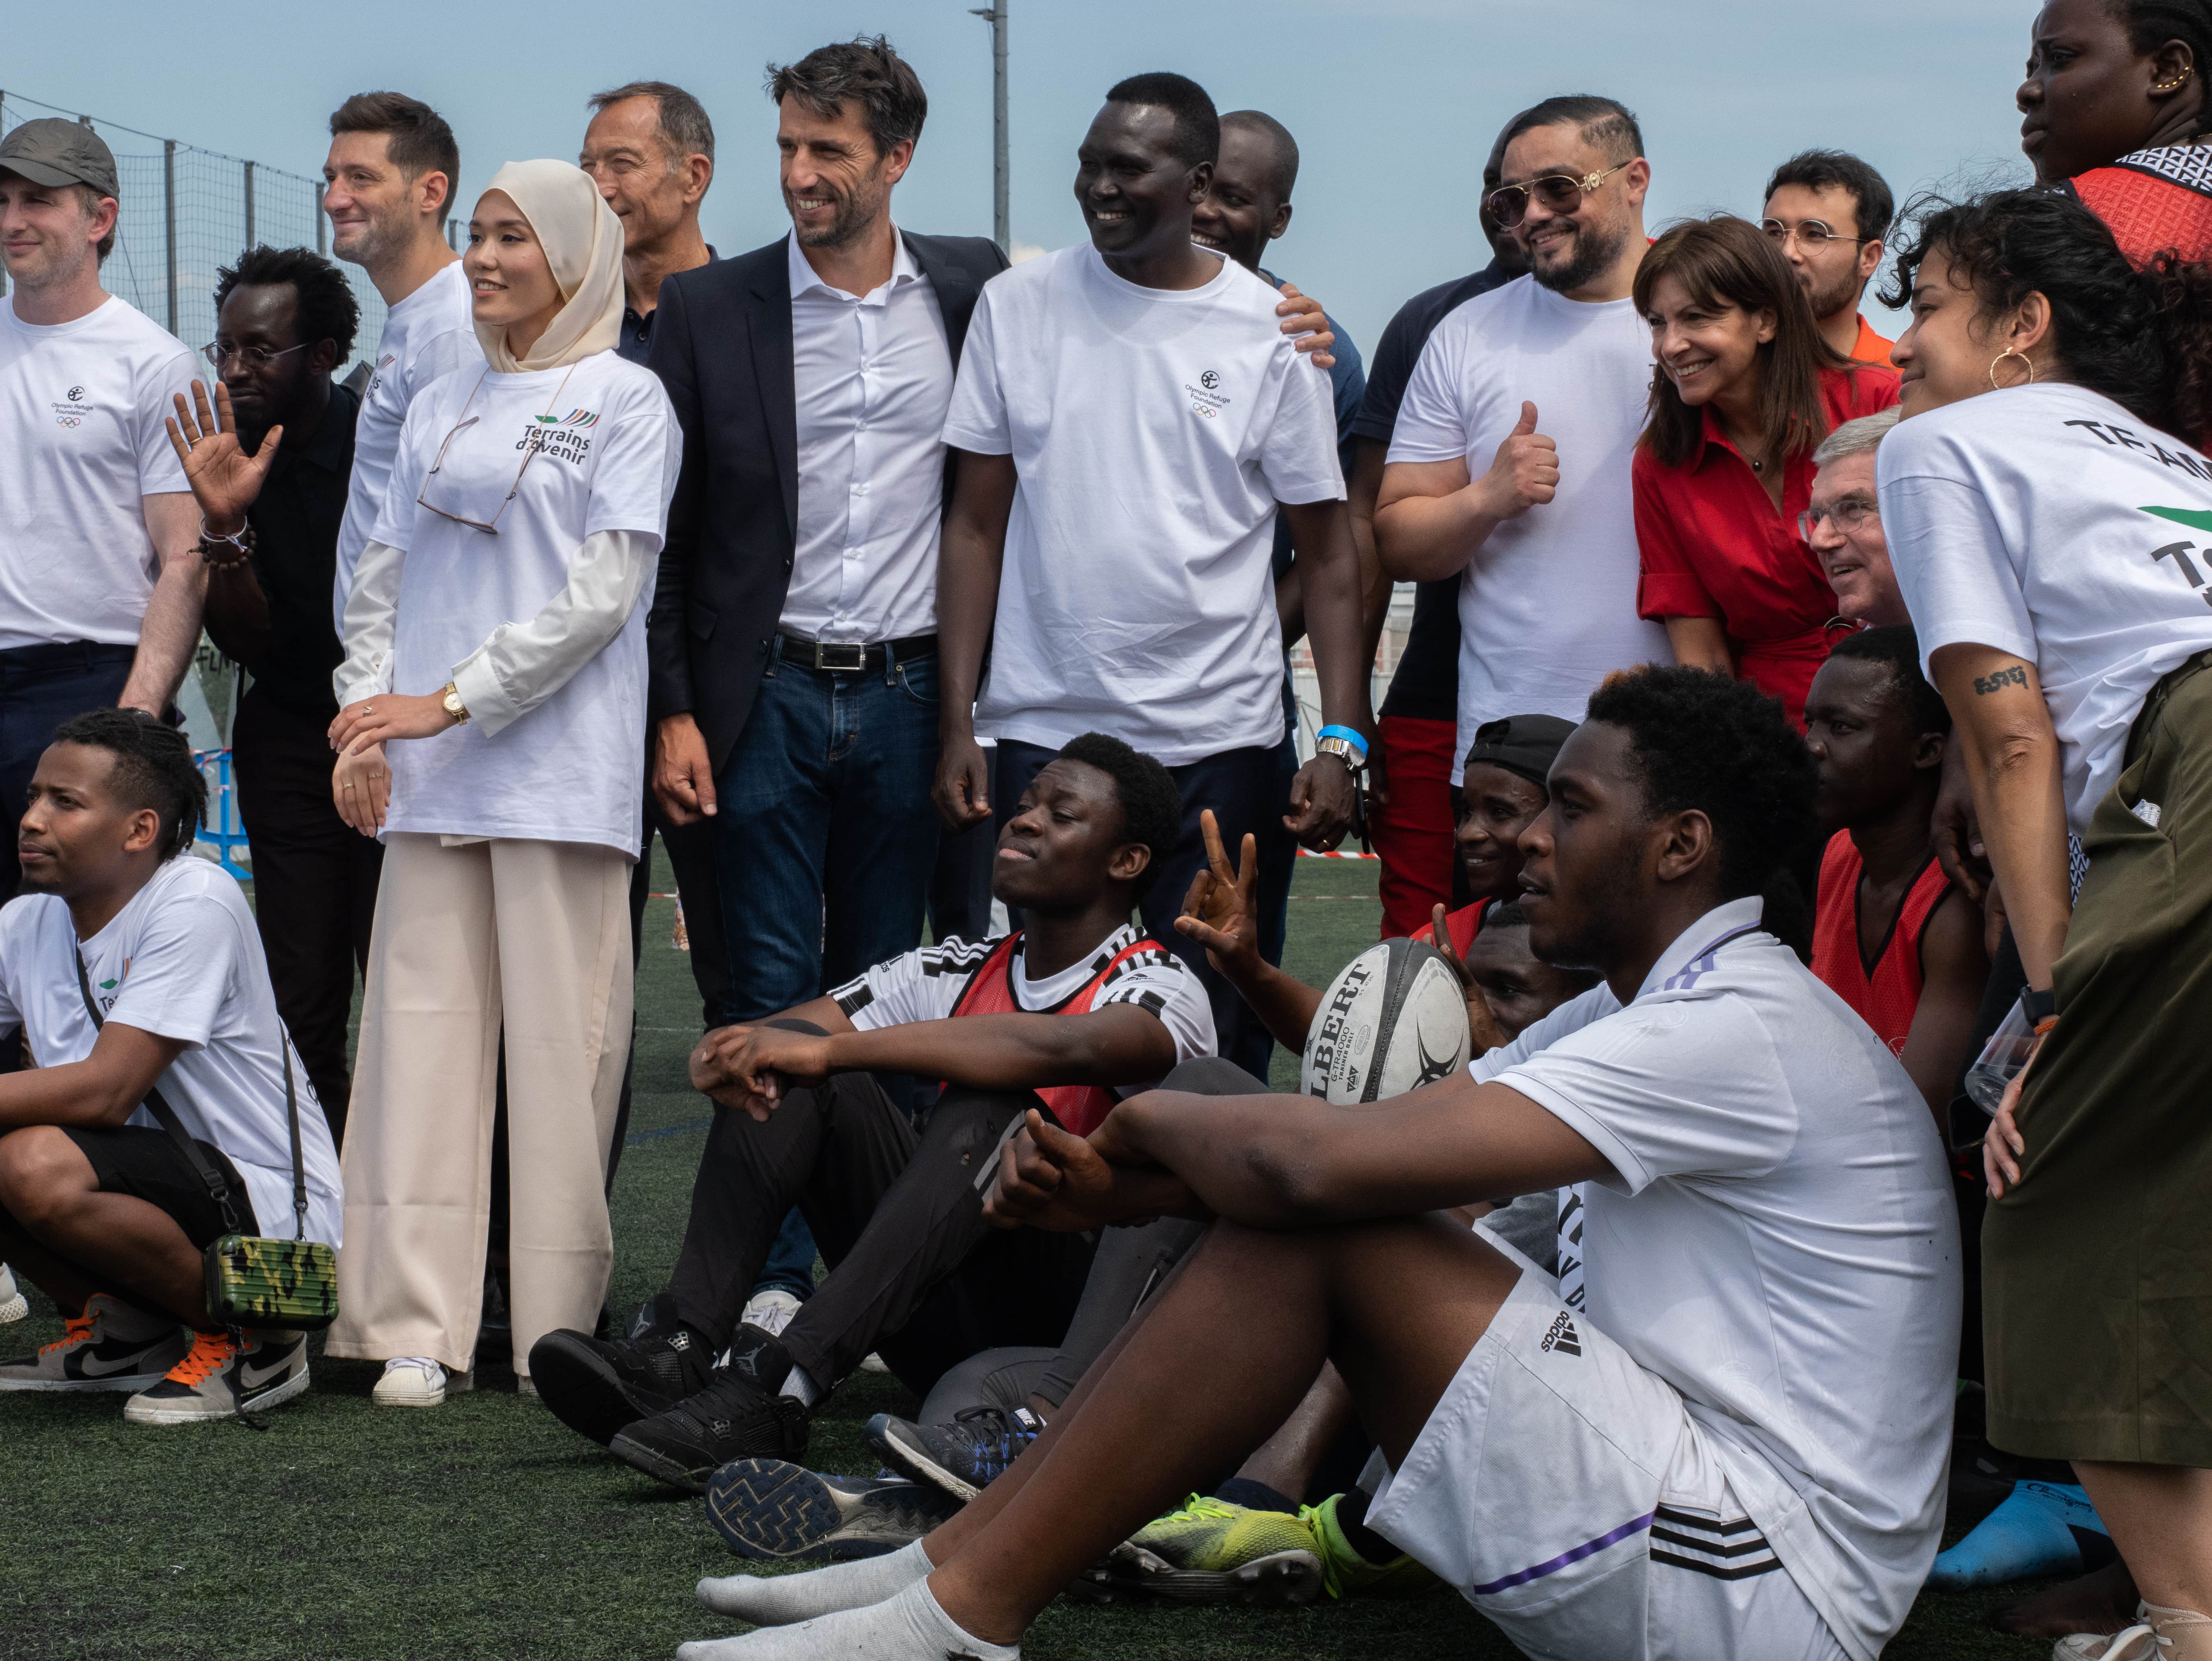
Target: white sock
[(799, 1384), (910, 1626), (776, 1600)]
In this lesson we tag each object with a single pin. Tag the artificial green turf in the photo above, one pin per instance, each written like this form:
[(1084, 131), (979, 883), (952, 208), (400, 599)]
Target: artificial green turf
[(483, 1529)]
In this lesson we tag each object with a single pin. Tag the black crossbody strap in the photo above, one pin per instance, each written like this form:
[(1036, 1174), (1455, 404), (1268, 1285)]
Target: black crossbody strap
[(218, 1189), (292, 1119)]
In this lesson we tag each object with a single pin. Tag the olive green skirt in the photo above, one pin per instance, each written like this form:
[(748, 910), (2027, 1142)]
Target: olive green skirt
[(2097, 1268)]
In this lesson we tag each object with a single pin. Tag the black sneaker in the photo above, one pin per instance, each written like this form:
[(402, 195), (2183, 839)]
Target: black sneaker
[(962, 1458), (757, 1356), (595, 1388), (732, 1419), (223, 1379), (772, 1510)]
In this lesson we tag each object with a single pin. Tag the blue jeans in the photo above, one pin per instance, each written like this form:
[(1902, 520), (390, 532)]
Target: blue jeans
[(41, 687), (828, 837)]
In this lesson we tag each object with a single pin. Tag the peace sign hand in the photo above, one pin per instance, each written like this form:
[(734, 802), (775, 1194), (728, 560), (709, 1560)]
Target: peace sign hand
[(225, 480), (1222, 910)]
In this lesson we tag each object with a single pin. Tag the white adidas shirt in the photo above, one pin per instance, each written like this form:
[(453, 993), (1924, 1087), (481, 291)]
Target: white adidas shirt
[(182, 960), (430, 333), (82, 442), (1780, 1244)]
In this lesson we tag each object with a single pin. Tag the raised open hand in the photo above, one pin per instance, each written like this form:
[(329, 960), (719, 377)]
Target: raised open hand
[(1221, 911), (225, 480)]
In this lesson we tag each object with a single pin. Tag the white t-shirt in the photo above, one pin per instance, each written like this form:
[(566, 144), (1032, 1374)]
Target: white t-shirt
[(81, 441), (1153, 432), (430, 333), (2048, 522), (607, 447), (1780, 1244), (925, 985), (1547, 605), (181, 960)]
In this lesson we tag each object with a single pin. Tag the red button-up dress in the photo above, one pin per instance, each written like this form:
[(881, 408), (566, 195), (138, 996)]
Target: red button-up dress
[(1713, 545)]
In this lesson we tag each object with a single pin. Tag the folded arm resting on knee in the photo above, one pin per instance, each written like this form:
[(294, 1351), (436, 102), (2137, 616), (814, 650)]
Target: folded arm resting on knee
[(750, 1066), (101, 1090), (1290, 1161)]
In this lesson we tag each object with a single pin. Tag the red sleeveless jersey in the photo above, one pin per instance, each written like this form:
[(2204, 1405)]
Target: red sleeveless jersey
[(1464, 924), (990, 991), (1886, 996)]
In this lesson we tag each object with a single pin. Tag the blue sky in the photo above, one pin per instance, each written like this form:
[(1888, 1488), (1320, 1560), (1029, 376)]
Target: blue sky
[(1394, 102)]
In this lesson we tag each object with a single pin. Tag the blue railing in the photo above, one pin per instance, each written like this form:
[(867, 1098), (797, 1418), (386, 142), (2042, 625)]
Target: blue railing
[(223, 832)]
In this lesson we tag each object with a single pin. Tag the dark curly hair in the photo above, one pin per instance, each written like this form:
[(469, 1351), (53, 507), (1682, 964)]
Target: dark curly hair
[(154, 768), (1724, 748), (327, 309), (1151, 806), (1897, 647), (2142, 338)]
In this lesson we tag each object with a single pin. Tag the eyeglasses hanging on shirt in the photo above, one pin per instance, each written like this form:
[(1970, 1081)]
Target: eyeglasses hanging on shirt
[(532, 445)]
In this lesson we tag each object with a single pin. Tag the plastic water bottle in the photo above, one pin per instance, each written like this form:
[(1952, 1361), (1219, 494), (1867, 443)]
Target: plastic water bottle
[(2001, 1059)]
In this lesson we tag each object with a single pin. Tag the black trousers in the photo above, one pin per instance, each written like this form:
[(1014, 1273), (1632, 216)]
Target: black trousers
[(314, 885), (1248, 790), (916, 1274)]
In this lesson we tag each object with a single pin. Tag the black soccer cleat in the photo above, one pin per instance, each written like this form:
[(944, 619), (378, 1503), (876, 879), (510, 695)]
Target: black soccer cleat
[(731, 1419), (773, 1512), (960, 1459), (595, 1387)]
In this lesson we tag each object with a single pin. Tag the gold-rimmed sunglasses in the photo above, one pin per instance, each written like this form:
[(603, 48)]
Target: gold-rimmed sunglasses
[(1562, 192), (531, 447)]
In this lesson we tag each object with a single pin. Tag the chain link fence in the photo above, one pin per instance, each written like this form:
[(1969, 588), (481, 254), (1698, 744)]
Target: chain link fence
[(186, 212)]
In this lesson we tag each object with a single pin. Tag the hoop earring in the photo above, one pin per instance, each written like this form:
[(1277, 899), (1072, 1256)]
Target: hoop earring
[(2026, 363)]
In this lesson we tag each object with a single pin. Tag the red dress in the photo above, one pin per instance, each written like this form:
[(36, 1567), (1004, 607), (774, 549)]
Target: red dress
[(2154, 200), (1714, 546), (1887, 995)]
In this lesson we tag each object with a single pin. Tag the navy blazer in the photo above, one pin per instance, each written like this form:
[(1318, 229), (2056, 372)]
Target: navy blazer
[(722, 347)]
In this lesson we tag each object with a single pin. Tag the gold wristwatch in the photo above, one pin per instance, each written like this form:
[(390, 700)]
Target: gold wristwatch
[(452, 699)]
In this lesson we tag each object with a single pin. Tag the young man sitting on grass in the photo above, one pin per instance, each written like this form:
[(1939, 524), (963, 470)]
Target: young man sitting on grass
[(1073, 1012), (1737, 1450), (99, 1207)]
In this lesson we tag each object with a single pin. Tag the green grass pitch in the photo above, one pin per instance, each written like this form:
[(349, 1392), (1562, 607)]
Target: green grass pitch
[(482, 1530)]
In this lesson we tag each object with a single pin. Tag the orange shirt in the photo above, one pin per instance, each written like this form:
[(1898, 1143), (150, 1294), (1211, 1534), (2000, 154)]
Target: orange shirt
[(1869, 347)]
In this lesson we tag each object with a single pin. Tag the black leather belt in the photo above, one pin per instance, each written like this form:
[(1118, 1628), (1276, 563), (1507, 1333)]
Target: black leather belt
[(850, 657)]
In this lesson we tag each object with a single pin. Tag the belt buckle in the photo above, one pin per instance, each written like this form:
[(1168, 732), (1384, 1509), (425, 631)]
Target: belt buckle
[(846, 657)]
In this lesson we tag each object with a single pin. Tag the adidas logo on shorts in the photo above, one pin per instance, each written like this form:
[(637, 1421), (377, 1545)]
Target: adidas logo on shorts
[(1562, 1337)]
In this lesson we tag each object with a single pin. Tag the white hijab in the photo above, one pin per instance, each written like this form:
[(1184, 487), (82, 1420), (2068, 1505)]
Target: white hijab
[(583, 244)]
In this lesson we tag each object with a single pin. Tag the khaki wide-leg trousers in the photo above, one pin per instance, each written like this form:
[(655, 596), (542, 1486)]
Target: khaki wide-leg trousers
[(537, 935)]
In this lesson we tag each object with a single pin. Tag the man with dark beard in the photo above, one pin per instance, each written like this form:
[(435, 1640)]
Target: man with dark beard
[(1828, 212), (1508, 464)]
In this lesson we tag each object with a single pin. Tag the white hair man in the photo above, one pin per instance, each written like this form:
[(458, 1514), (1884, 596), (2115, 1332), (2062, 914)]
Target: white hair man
[(1842, 524)]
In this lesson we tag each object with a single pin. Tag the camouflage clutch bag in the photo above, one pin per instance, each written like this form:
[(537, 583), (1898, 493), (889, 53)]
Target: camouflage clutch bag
[(252, 1280), (255, 1281)]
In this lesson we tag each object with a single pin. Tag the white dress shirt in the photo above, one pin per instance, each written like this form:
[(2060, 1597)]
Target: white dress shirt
[(873, 373)]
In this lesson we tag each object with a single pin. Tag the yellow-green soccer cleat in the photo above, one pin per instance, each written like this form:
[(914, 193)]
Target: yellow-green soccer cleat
[(1348, 1574), (1212, 1552)]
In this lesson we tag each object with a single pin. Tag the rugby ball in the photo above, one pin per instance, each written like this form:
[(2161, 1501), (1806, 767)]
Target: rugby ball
[(1393, 1020)]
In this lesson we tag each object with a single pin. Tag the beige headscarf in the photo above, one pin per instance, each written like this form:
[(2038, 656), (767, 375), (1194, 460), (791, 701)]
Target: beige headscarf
[(583, 244)]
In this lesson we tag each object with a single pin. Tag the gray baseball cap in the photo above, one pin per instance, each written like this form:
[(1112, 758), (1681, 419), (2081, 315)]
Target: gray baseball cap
[(50, 151)]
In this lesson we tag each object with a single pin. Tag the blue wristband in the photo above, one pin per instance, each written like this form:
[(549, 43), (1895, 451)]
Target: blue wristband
[(1349, 734)]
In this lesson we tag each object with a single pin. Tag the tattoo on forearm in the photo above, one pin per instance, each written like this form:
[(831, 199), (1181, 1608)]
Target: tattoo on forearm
[(2013, 676)]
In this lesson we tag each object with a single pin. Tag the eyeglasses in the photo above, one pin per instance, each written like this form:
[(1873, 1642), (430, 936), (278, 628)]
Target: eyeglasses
[(1562, 192), (1812, 232), (258, 357), (1847, 516), (490, 527)]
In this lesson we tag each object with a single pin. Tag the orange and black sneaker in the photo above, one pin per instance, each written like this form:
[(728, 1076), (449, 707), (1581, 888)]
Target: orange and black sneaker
[(112, 1346), (223, 1379)]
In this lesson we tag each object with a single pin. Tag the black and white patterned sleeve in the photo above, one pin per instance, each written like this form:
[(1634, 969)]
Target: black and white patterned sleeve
[(1157, 981), (918, 986)]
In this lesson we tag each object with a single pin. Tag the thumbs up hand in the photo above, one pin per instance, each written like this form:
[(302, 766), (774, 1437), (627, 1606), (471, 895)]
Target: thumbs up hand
[(1525, 473)]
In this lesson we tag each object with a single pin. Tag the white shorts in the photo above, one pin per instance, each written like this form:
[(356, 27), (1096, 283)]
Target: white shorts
[(1572, 1500)]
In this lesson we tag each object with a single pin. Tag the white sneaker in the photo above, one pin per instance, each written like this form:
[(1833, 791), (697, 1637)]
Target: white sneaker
[(14, 1305), (416, 1381), (770, 1311), (873, 1362)]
